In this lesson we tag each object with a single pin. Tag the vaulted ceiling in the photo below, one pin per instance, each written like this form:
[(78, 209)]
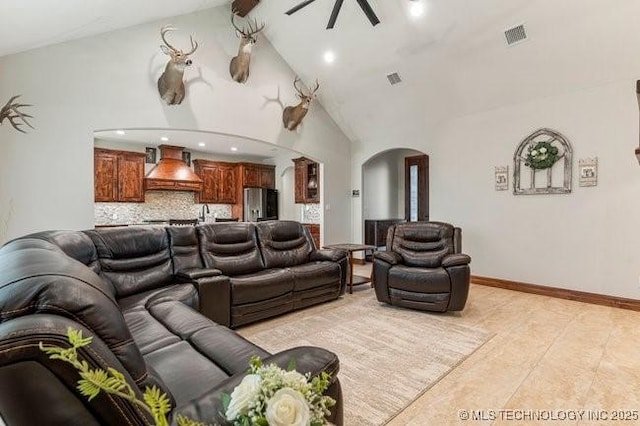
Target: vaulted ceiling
[(453, 60)]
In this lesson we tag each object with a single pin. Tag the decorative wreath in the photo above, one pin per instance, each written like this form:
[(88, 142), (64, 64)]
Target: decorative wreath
[(542, 155)]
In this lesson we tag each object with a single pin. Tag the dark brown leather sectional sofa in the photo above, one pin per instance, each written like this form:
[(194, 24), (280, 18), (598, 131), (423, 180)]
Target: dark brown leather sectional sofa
[(148, 295)]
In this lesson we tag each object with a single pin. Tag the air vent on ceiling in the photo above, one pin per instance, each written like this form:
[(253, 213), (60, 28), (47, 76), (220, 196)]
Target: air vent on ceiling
[(515, 35), (394, 78)]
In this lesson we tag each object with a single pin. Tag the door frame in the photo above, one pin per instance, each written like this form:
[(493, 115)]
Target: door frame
[(422, 161)]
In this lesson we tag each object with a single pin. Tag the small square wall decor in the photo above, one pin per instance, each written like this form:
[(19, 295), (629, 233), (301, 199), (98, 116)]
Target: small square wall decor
[(588, 171), (502, 178), (151, 155)]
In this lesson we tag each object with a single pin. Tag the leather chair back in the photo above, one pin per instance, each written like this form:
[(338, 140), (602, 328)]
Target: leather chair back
[(133, 259), (422, 244), (230, 247), (75, 244), (53, 284), (283, 243), (184, 247)]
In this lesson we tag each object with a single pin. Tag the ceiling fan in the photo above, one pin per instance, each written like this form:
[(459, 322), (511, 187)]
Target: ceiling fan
[(364, 4)]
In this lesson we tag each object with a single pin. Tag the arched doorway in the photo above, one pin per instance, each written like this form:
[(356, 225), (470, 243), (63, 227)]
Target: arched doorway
[(392, 182)]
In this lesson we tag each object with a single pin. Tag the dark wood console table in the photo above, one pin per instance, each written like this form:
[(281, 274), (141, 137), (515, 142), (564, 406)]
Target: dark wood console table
[(350, 249)]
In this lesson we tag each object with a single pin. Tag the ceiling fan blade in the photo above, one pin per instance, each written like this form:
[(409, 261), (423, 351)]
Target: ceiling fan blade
[(366, 8), (299, 6), (334, 14)]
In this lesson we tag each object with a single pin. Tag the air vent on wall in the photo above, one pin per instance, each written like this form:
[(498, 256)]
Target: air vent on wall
[(394, 78), (515, 35)]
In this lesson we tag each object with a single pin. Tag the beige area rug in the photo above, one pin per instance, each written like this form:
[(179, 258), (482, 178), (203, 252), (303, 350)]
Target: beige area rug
[(388, 356)]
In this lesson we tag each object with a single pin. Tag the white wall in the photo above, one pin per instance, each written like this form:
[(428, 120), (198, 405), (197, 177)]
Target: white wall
[(109, 81), (587, 240)]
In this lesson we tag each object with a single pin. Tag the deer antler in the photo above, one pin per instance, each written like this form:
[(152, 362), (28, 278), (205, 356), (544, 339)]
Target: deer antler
[(315, 89), (164, 30), (233, 14), (10, 111), (243, 31), (295, 86), (257, 29), (167, 28)]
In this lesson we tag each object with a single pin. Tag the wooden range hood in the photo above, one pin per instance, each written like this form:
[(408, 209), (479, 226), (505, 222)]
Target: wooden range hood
[(171, 173)]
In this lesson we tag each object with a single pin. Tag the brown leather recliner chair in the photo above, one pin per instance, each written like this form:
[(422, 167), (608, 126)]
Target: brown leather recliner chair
[(422, 267)]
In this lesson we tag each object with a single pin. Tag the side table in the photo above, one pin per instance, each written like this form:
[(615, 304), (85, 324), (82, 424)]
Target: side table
[(350, 249)]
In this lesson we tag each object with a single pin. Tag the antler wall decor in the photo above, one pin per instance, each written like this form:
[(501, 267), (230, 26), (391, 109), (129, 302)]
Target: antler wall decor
[(292, 115), (170, 84), (239, 66), (12, 113)]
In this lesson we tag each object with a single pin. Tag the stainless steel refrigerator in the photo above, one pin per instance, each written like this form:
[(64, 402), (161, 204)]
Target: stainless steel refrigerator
[(260, 204)]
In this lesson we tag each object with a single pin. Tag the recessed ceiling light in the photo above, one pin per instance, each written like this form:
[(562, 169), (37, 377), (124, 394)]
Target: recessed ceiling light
[(120, 132), (164, 139), (201, 144), (416, 9), (329, 56), (234, 149)]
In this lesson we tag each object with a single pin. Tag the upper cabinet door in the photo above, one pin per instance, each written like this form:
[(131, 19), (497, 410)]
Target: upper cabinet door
[(251, 176), (268, 177), (105, 167), (118, 176), (227, 187), (131, 178)]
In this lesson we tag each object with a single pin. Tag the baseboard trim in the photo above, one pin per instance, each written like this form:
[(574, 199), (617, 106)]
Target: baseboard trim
[(559, 293)]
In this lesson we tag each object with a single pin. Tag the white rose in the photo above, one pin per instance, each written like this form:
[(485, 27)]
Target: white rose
[(241, 395), (534, 153), (288, 407), (543, 150), (293, 378)]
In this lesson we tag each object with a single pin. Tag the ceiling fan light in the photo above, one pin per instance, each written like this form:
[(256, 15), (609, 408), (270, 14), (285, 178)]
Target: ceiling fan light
[(329, 56), (416, 9)]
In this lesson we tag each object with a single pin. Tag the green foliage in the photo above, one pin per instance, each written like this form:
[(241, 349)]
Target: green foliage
[(159, 404), (94, 381), (542, 155), (185, 421)]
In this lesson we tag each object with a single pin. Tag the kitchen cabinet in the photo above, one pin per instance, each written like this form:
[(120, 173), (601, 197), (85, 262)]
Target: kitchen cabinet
[(219, 182), (258, 175), (307, 181), (118, 176)]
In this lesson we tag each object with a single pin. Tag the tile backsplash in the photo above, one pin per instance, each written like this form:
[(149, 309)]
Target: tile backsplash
[(310, 213), (158, 205)]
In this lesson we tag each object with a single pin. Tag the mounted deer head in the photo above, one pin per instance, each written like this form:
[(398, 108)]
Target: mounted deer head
[(239, 66), (170, 84), (11, 112), (292, 115)]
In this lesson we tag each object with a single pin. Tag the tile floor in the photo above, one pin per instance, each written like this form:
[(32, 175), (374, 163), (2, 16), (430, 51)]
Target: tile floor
[(551, 361)]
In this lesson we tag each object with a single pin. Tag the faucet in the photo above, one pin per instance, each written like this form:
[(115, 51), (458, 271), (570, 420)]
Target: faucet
[(202, 216)]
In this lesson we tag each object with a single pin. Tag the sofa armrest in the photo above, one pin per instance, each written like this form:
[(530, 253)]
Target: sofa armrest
[(189, 275), (328, 255), (456, 260), (214, 294), (208, 407), (390, 257)]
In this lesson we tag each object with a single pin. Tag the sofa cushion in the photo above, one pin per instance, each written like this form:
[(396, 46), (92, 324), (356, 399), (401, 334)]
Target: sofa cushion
[(205, 352), (283, 243), (133, 259), (422, 244), (259, 286), (419, 280), (75, 244), (315, 274), (183, 292), (230, 247), (184, 247)]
